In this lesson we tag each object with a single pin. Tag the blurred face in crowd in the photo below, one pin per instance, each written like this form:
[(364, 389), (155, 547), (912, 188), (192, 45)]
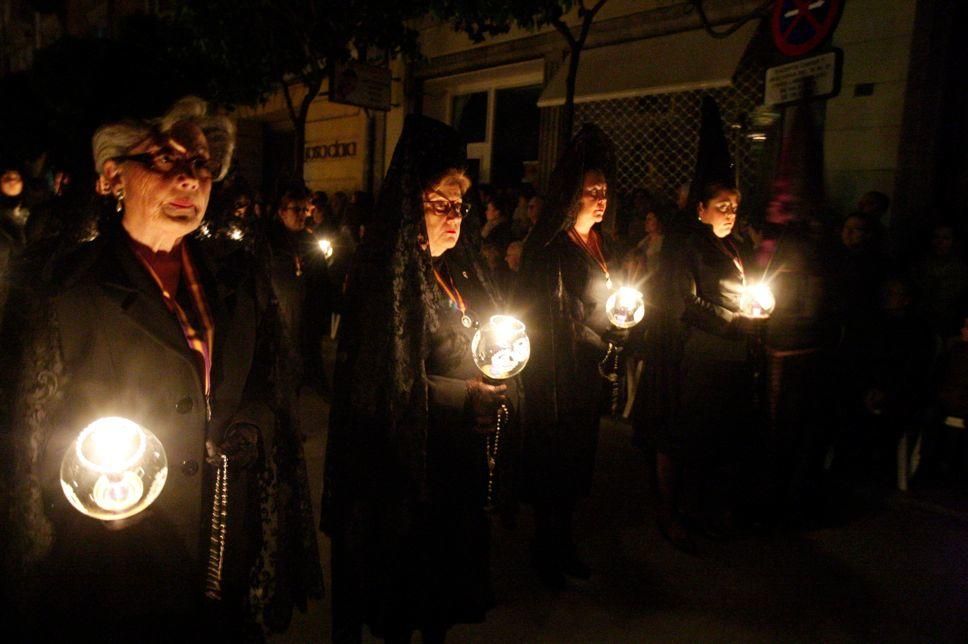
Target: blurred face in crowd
[(11, 183), (513, 256), (720, 212), (492, 256), (444, 208), (166, 182), (942, 241), (855, 232), (319, 213), (293, 214), (534, 209), (492, 212), (594, 200), (652, 225), (682, 197), (241, 207)]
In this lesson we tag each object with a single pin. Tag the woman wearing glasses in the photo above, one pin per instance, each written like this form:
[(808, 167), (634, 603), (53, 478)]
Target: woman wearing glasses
[(300, 282), (712, 417), (143, 324), (406, 473), (566, 277)]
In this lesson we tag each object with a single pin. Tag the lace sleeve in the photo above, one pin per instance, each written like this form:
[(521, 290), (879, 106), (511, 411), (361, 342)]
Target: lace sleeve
[(40, 390)]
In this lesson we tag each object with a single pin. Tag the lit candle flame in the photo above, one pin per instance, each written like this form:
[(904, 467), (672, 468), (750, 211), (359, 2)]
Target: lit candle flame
[(757, 301), (625, 307), (326, 247), (501, 347), (107, 470)]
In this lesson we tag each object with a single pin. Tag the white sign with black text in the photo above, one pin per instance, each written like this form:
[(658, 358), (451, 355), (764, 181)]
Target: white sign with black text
[(814, 77), (361, 85)]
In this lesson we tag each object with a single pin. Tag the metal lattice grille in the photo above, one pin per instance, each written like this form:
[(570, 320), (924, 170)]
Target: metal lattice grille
[(656, 136)]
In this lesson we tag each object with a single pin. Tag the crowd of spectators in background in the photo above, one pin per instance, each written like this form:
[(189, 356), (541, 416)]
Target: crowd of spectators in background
[(891, 329)]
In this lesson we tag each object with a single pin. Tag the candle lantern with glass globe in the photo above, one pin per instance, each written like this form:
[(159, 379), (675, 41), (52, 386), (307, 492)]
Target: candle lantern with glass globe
[(757, 301), (114, 469), (501, 350), (625, 308), (325, 247)]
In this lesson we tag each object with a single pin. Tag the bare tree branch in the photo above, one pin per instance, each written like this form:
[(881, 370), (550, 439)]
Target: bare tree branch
[(565, 31), (289, 105)]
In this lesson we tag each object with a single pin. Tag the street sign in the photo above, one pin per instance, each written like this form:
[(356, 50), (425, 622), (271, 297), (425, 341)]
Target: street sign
[(804, 79), (361, 85), (800, 26)]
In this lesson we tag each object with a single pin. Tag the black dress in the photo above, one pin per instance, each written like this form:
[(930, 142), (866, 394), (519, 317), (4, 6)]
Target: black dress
[(563, 294), (405, 479), (712, 419), (457, 539)]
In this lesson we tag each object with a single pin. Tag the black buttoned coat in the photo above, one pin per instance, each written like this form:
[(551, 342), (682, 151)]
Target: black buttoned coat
[(100, 341)]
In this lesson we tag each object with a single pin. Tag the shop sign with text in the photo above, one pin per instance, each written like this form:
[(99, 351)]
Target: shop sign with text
[(334, 150)]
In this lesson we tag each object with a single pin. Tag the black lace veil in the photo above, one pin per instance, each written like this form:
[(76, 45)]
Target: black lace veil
[(380, 390), (590, 149)]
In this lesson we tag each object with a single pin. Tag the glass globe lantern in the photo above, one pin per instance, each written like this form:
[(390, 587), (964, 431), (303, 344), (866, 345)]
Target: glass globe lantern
[(757, 301), (236, 232), (114, 469), (501, 347), (325, 247), (625, 307)]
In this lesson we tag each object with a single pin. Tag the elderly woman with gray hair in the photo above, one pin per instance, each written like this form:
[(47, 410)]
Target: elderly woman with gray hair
[(141, 323)]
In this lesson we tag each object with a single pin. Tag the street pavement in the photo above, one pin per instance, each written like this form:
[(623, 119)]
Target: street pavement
[(896, 571)]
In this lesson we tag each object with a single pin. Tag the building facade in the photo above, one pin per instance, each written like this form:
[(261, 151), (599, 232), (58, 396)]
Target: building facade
[(644, 70)]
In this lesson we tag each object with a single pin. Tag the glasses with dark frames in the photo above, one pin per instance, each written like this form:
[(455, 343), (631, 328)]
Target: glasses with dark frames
[(166, 160), (443, 207)]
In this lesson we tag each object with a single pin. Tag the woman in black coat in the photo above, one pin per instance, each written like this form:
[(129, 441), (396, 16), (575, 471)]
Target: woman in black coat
[(141, 323), (406, 474), (565, 280), (712, 420)]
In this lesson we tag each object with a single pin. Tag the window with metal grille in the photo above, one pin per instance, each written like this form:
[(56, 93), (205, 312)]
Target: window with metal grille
[(656, 136)]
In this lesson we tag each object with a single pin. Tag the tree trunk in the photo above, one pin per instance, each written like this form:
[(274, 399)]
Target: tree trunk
[(312, 91), (299, 147), (568, 110), (298, 118)]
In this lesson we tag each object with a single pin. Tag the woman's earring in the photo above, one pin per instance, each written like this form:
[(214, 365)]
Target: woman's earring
[(120, 205)]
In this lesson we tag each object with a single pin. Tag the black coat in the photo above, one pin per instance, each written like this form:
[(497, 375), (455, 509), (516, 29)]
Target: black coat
[(99, 341), (562, 294), (715, 377), (709, 274)]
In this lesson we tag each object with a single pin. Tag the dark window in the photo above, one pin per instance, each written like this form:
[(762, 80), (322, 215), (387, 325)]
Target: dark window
[(470, 116), (516, 124)]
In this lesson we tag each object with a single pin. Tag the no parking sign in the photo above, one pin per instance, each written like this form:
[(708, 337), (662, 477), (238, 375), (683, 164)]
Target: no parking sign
[(799, 26)]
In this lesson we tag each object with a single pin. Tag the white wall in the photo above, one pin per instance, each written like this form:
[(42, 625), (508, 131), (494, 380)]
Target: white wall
[(862, 133)]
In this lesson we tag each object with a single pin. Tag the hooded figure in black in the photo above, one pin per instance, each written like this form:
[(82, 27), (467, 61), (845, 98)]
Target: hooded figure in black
[(406, 478), (565, 281), (712, 417)]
